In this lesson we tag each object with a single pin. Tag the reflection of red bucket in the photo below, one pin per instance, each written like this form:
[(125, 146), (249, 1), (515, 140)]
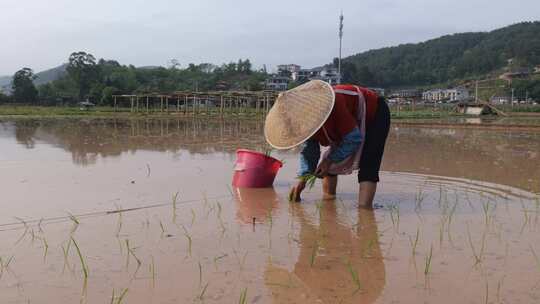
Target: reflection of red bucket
[(254, 169)]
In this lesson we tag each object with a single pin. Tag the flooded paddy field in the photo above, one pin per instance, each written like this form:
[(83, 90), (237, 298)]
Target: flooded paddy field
[(142, 211)]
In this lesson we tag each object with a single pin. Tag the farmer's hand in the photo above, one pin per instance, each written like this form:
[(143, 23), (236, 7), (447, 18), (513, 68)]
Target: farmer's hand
[(294, 194), (322, 169)]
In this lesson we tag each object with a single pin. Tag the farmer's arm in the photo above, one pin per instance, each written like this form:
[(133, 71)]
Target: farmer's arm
[(309, 157)]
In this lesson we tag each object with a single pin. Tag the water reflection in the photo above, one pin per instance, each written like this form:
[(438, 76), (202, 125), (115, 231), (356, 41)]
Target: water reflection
[(89, 139), (331, 254), (503, 157), (255, 204)]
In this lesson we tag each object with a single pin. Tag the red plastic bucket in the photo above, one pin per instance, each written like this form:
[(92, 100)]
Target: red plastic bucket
[(254, 169)]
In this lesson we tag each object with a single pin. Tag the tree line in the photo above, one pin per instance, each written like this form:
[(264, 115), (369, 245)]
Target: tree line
[(97, 80), (449, 59)]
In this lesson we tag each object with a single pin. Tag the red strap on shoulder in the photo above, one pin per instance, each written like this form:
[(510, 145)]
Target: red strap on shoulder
[(372, 100)]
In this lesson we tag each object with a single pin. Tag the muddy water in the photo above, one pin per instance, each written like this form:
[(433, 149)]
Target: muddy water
[(459, 223)]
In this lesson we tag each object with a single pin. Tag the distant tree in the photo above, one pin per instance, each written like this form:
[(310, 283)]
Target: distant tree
[(244, 66), (364, 76), (174, 64), (349, 73), (47, 93), (83, 70), (23, 86), (106, 95), (4, 98)]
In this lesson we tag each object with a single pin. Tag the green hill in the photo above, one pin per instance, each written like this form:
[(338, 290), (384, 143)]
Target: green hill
[(447, 58), (42, 77)]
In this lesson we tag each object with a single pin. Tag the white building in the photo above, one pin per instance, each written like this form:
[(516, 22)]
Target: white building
[(450, 95), (328, 74), (292, 68), (277, 83)]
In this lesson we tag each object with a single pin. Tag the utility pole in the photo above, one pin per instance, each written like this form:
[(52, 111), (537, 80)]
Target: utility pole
[(476, 92), (512, 99), (340, 42)]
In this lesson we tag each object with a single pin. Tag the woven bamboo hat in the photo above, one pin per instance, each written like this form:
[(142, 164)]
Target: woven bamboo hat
[(298, 113)]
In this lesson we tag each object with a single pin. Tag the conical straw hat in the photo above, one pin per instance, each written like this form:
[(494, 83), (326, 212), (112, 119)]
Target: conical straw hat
[(298, 113)]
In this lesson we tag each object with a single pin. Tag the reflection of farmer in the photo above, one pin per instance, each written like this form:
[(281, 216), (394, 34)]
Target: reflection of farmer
[(352, 121), (338, 252)]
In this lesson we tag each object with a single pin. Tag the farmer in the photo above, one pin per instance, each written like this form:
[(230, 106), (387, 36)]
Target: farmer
[(352, 121)]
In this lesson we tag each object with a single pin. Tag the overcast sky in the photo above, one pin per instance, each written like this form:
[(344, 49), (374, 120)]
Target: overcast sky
[(41, 34)]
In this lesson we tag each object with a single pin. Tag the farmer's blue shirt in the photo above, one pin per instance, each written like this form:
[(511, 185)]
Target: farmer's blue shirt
[(311, 151)]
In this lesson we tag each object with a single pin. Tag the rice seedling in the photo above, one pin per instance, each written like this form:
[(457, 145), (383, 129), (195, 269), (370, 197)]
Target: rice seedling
[(174, 201), (268, 151), (4, 265), (216, 259), (427, 267), (414, 243), (132, 252), (189, 239), (441, 231), (83, 264), (366, 252), (112, 297), (200, 273), (203, 291), (314, 251), (162, 228), (152, 270), (33, 235), (309, 179), (193, 216), (24, 232), (121, 297), (39, 225), (119, 221), (477, 255), (75, 221), (499, 287), (419, 198), (65, 251), (243, 297), (355, 278), (241, 262), (45, 248), (269, 217), (394, 215), (486, 210), (487, 293)]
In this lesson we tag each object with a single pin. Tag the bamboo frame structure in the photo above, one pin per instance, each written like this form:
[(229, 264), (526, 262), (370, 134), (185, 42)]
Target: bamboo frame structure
[(200, 103)]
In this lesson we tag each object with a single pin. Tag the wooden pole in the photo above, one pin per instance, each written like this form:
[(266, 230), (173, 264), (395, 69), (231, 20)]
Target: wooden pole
[(167, 104), (161, 104), (185, 104), (131, 102), (177, 104), (146, 104), (221, 106), (114, 103)]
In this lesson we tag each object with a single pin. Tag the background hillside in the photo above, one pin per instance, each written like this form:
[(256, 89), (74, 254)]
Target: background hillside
[(42, 77), (447, 58)]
